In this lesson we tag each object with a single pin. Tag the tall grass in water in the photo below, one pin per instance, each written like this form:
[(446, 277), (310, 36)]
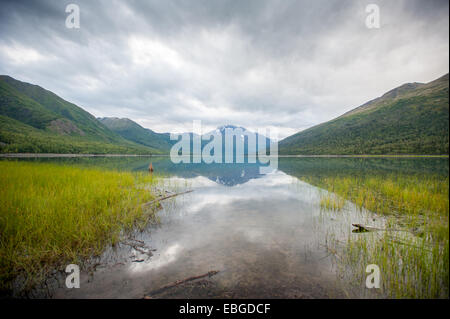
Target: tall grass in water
[(415, 262), (52, 215), (332, 202)]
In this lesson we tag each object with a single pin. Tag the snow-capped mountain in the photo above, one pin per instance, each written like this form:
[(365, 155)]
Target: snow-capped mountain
[(221, 130)]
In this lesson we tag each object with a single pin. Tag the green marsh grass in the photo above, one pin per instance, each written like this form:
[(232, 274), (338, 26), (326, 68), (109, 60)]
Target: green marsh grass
[(52, 215), (413, 254), (332, 202)]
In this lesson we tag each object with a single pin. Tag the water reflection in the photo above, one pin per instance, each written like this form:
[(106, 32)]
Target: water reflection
[(262, 236), (264, 233), (237, 173), (167, 256)]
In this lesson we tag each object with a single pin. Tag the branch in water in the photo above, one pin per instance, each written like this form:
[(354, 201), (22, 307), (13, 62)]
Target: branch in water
[(165, 197), (179, 282)]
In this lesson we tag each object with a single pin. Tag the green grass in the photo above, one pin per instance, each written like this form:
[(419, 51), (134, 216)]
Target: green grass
[(52, 215), (332, 202), (411, 267), (415, 262), (17, 137)]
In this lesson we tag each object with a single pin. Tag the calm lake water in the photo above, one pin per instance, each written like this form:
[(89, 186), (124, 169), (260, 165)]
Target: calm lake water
[(265, 234)]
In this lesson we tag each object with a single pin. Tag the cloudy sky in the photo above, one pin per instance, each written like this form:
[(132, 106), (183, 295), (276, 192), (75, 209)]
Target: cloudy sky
[(254, 63)]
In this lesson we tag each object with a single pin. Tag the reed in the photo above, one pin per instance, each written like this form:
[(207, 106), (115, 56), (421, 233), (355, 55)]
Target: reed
[(414, 262), (52, 215)]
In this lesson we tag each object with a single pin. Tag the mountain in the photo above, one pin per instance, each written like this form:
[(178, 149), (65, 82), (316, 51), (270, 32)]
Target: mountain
[(132, 131), (36, 120), (242, 135), (221, 130), (410, 119)]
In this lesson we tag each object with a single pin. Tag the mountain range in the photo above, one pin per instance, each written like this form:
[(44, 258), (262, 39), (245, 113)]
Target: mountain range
[(132, 131), (35, 120), (410, 119)]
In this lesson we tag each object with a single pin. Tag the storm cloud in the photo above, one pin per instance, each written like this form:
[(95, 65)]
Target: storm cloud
[(258, 64)]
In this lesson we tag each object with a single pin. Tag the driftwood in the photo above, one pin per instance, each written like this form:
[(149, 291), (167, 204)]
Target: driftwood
[(364, 228), (166, 197), (149, 253), (137, 260), (140, 246), (136, 240), (179, 282), (137, 244)]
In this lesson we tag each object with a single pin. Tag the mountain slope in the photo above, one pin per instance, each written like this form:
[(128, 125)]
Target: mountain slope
[(410, 119), (36, 120), (132, 131)]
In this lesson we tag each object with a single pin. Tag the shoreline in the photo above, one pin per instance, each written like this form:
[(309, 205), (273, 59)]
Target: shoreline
[(56, 155), (100, 208), (368, 155)]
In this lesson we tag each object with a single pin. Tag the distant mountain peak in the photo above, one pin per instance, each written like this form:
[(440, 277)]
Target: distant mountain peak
[(230, 126), (222, 129)]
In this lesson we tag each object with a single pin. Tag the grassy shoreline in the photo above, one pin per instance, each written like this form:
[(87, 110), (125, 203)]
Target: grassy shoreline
[(414, 263), (56, 155), (22, 155), (371, 155), (52, 215)]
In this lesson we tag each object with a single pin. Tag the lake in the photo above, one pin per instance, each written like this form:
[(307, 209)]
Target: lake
[(266, 234)]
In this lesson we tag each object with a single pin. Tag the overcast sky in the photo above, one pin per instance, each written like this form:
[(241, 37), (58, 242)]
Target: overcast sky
[(258, 64)]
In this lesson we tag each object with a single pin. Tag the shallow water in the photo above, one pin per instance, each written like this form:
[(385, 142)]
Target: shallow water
[(265, 234)]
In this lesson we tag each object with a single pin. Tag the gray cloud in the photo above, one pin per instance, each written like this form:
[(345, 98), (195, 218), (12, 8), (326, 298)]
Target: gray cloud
[(284, 64)]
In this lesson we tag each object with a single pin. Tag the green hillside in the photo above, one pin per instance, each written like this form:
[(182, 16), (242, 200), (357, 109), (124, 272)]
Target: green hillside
[(411, 119), (134, 132), (35, 120)]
